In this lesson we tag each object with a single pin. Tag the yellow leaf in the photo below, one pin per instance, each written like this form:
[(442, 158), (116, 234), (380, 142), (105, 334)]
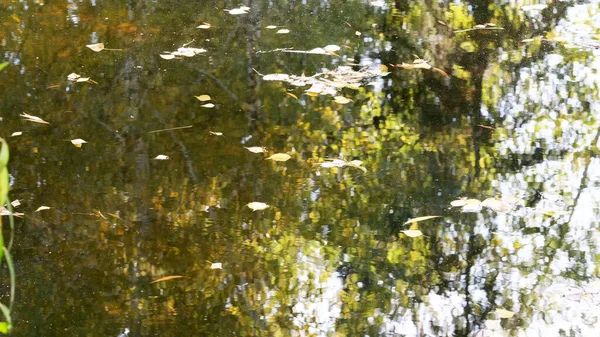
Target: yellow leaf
[(42, 208), (504, 313), (280, 157), (421, 218), (166, 278), (412, 233), (257, 206), (77, 142), (203, 98), (96, 46), (256, 149)]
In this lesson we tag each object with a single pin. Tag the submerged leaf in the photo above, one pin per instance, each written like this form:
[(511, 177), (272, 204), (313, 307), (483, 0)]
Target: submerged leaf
[(412, 233), (280, 157), (422, 218), (257, 206), (166, 278)]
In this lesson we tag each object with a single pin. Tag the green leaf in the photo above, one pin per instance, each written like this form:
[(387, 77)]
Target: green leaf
[(3, 65), (4, 327), (6, 312), (422, 218)]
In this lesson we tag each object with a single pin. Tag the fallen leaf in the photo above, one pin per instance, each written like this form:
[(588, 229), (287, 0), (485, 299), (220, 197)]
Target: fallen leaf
[(216, 265), (342, 100), (504, 313), (280, 157), (204, 25), (257, 206), (238, 11), (73, 76), (96, 46), (214, 133), (283, 31), (17, 133), (203, 98), (166, 278), (271, 27), (34, 119), (161, 157), (332, 48), (412, 233), (422, 218), (78, 142), (208, 105), (276, 77), (42, 208), (256, 149), (16, 203), (167, 56)]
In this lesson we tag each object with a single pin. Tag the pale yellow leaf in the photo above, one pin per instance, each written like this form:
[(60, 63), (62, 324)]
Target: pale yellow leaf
[(256, 149), (214, 133), (283, 31), (208, 105), (504, 313), (280, 157), (78, 142), (166, 278), (257, 206), (238, 11), (96, 46), (34, 119), (203, 98), (332, 48), (18, 133), (204, 25), (342, 100), (167, 56), (42, 208), (412, 233), (357, 33), (216, 265), (16, 203), (271, 27), (276, 77), (73, 76), (161, 157), (458, 203), (422, 218)]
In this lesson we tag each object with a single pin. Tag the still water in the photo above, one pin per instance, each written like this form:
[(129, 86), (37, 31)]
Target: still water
[(483, 113)]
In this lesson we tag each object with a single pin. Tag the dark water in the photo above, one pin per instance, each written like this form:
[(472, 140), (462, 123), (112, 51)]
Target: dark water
[(513, 121)]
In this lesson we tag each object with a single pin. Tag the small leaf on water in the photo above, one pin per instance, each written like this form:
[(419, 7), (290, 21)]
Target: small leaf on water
[(332, 48), (214, 133), (166, 278), (16, 203), (504, 313), (42, 208), (238, 11), (73, 76), (34, 119), (256, 149), (161, 157), (412, 233), (280, 157), (458, 203), (216, 265), (342, 100), (203, 98), (422, 218), (257, 206), (271, 27), (276, 77), (208, 105), (96, 46), (204, 25), (283, 31), (18, 133), (77, 142), (167, 56)]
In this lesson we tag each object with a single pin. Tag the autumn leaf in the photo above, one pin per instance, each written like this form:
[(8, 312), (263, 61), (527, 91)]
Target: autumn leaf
[(280, 157), (422, 218), (166, 278)]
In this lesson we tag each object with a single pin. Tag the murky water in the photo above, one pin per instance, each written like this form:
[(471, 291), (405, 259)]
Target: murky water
[(483, 113)]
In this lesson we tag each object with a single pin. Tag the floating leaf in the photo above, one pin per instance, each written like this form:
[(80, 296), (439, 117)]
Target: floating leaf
[(42, 208), (283, 31), (208, 105), (204, 25), (16, 203), (161, 157), (96, 46), (34, 119), (256, 149), (332, 48), (78, 142), (280, 157), (504, 313), (167, 56), (203, 98), (257, 206), (17, 133), (412, 233), (422, 218), (3, 65), (271, 27), (214, 133), (166, 278), (276, 77), (238, 11), (459, 203), (342, 100), (216, 265), (357, 33)]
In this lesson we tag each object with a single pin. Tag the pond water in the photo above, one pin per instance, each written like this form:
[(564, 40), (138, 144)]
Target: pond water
[(483, 113)]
